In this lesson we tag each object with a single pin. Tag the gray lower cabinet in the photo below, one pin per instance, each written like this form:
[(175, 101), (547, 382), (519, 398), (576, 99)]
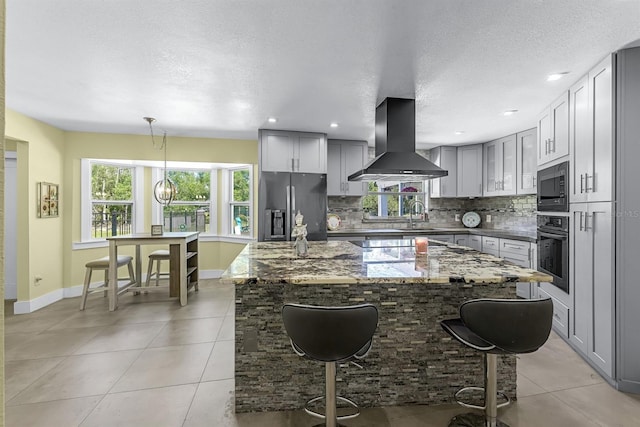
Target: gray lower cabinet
[(449, 238), (591, 282), (475, 242), (519, 253), (560, 313), (461, 239), (491, 245)]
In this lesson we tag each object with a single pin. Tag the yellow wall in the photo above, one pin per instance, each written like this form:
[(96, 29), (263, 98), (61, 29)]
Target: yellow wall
[(49, 154), (40, 158)]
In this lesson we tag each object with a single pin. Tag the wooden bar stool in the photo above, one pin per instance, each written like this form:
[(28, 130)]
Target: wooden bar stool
[(103, 264), (157, 256)]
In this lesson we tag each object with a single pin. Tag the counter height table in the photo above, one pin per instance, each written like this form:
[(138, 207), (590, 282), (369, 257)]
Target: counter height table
[(183, 262), (412, 360)]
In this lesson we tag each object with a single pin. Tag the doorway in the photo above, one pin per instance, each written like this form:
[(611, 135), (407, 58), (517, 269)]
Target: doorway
[(10, 225)]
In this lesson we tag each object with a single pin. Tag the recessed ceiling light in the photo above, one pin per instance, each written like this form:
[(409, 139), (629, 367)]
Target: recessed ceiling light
[(556, 76), (272, 120), (334, 125), (459, 132), (509, 112)]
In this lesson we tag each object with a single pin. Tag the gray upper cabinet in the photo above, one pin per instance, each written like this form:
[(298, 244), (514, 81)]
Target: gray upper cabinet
[(591, 283), (526, 165), (344, 158), (499, 177), (553, 130), (591, 135), (287, 151), (470, 170), (580, 139), (446, 158)]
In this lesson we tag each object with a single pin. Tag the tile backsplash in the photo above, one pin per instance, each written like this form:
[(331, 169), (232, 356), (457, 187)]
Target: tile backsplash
[(507, 212)]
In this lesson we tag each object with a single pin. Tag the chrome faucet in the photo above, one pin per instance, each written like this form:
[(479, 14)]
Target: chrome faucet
[(412, 206)]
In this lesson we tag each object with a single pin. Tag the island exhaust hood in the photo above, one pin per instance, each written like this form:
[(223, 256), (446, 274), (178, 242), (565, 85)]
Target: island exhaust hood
[(396, 158)]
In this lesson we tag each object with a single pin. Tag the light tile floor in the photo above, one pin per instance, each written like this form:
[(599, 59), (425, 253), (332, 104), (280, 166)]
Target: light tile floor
[(154, 363)]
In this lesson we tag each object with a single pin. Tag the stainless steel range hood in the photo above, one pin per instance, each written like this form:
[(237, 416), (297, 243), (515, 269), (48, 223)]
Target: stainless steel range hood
[(396, 158)]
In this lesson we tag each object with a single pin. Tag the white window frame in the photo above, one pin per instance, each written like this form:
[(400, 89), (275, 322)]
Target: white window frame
[(156, 208), (228, 202), (399, 195), (137, 210)]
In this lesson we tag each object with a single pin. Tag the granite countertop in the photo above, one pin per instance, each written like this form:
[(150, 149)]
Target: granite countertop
[(341, 262), (528, 236)]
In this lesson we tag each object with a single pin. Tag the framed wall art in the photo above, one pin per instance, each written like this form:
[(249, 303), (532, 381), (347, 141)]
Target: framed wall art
[(48, 200)]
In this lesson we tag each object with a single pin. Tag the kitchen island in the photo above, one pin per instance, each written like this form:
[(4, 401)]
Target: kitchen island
[(412, 360)]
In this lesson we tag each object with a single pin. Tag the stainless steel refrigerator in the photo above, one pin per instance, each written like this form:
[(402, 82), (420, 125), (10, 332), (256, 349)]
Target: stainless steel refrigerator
[(281, 195)]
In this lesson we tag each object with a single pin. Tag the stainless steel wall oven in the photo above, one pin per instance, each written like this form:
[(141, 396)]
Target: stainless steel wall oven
[(553, 249)]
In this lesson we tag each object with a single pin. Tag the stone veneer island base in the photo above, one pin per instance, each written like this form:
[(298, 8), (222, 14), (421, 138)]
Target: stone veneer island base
[(412, 361)]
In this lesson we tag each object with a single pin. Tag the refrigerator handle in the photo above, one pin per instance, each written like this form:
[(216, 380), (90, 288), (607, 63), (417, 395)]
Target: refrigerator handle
[(293, 205), (284, 226)]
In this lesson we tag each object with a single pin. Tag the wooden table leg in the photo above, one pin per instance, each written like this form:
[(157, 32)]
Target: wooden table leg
[(113, 276), (174, 270)]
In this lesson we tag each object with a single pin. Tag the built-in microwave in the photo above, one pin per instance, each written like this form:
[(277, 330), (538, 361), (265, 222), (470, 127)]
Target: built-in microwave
[(553, 188)]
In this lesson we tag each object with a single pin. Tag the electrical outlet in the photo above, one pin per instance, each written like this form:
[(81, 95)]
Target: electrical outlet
[(488, 218), (457, 217)]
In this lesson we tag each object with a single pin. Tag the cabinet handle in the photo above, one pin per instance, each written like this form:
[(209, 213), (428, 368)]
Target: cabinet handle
[(509, 245), (293, 164), (480, 188), (586, 183), (546, 146), (586, 222), (581, 213), (581, 183)]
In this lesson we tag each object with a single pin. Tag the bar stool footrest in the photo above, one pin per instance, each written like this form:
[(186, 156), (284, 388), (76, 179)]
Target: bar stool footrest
[(473, 419), (460, 402), (316, 414)]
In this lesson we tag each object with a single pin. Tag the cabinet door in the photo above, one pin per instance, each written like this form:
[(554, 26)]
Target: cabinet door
[(353, 159), (544, 131), (490, 245), (599, 224), (580, 277), (559, 138), (462, 239), (434, 184), (526, 166), (276, 150), (581, 141), (470, 170), (449, 238), (507, 166), (490, 173), (335, 185), (310, 153), (449, 162), (475, 242), (599, 183)]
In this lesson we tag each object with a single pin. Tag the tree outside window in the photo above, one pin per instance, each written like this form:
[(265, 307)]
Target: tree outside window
[(111, 200), (240, 202), (191, 211), (388, 200)]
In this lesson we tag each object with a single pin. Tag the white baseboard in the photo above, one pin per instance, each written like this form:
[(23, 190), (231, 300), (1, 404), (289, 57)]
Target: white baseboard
[(23, 307)]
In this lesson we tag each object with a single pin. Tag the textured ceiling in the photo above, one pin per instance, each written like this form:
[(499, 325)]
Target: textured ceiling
[(221, 68)]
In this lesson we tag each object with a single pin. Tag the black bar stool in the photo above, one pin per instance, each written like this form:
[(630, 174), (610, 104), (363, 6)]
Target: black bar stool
[(331, 335), (497, 326)]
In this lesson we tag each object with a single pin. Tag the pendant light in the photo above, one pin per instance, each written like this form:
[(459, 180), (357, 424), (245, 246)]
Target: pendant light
[(165, 190)]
